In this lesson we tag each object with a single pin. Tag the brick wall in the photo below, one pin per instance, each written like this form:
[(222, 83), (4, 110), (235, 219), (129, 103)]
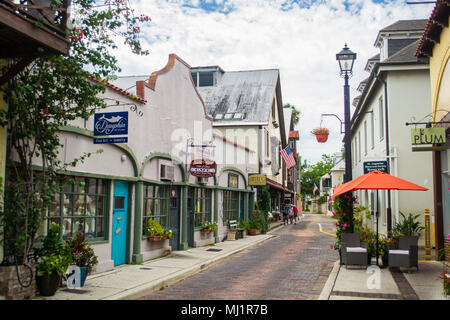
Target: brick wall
[(10, 286)]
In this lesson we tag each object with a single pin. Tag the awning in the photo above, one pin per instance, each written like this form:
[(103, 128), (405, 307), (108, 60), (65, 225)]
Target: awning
[(279, 186)]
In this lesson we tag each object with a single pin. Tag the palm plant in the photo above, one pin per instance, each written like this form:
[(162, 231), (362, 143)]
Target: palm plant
[(408, 226)]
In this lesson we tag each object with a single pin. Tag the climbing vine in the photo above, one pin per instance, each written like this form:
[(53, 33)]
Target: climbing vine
[(50, 93)]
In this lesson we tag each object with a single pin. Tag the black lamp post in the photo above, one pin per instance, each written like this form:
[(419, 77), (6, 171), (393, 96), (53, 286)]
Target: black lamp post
[(346, 58)]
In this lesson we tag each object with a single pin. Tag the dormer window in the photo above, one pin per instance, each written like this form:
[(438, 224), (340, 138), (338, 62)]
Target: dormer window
[(228, 116), (219, 116), (203, 79)]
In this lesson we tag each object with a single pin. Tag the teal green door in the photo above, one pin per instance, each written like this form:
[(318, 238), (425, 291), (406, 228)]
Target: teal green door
[(119, 223)]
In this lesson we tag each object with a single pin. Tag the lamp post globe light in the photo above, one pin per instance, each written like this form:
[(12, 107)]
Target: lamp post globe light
[(346, 58)]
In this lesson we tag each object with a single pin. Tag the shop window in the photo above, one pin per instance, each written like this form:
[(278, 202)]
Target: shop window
[(202, 206), (230, 205), (80, 206), (233, 180), (156, 205)]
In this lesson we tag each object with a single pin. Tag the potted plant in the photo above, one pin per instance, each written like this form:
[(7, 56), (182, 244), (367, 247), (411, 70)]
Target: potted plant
[(321, 134), (383, 247), (445, 275), (408, 226), (155, 231), (254, 224), (54, 257), (83, 255), (208, 227)]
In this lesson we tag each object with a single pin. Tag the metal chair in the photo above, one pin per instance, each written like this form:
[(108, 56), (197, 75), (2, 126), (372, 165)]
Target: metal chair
[(406, 254), (354, 252)]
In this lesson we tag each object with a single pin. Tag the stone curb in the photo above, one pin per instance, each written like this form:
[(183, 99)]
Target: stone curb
[(329, 285)]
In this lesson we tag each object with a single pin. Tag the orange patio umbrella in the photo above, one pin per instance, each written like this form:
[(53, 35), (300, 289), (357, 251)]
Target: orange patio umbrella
[(376, 180)]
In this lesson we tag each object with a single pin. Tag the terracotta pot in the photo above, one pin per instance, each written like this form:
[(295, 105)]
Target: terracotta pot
[(321, 137), (205, 231), (253, 231), (155, 238)]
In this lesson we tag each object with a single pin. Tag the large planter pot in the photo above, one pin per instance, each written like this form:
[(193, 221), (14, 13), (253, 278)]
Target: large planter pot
[(83, 275), (205, 231), (253, 232), (385, 260), (48, 283)]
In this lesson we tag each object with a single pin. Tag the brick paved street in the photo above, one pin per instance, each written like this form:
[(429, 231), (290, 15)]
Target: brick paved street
[(292, 266)]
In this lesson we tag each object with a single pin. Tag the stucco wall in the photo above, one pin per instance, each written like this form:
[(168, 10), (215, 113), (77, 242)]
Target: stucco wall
[(440, 75), (408, 99)]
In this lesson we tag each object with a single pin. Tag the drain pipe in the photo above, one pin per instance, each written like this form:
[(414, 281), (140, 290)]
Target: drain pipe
[(389, 210)]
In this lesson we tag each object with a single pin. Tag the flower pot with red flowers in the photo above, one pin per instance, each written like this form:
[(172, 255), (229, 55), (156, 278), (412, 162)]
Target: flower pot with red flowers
[(321, 134)]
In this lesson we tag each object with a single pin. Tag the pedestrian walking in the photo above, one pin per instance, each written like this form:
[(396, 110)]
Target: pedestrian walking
[(295, 215), (291, 215), (285, 210)]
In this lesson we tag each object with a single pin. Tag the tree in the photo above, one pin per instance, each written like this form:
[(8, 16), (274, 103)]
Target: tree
[(295, 113), (48, 94), (311, 173)]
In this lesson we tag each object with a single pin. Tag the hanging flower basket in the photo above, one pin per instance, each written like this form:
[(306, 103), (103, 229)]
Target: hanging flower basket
[(321, 134)]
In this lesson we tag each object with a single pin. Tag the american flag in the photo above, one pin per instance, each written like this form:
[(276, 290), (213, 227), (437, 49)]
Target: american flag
[(288, 157)]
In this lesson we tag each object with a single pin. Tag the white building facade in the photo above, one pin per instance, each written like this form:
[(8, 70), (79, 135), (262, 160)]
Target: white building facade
[(396, 92)]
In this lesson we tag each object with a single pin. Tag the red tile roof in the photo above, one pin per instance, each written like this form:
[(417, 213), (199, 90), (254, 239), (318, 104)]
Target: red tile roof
[(294, 135)]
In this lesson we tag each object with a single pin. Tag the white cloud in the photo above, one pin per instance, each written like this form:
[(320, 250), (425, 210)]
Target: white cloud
[(302, 42)]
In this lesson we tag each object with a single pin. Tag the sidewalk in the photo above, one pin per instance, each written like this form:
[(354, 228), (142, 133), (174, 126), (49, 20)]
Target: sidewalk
[(128, 282), (355, 283)]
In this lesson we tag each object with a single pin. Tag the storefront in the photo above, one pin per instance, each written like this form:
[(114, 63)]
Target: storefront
[(435, 47), (139, 175)]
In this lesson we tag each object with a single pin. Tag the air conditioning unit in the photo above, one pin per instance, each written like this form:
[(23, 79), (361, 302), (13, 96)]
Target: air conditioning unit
[(167, 173), (202, 180)]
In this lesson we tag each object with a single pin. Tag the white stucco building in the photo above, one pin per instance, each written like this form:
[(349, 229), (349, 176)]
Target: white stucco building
[(396, 92), (147, 175)]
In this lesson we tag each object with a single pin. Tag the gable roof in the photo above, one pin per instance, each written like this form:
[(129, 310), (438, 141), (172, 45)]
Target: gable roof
[(247, 92)]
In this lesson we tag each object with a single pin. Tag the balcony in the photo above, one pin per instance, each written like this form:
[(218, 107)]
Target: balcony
[(31, 28)]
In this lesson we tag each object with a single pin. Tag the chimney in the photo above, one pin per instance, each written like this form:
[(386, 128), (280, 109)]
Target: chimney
[(140, 89)]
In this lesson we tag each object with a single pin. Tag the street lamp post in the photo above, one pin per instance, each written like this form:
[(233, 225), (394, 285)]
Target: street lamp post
[(346, 58)]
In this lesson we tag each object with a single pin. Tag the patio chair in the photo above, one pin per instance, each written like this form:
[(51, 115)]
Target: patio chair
[(354, 252), (406, 253)]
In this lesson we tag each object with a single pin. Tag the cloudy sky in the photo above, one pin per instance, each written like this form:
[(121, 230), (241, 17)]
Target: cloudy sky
[(298, 37)]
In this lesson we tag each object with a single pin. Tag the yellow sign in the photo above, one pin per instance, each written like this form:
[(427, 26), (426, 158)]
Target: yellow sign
[(428, 136), (256, 180), (427, 232)]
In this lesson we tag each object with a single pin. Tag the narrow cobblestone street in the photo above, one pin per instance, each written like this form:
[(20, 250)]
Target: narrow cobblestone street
[(292, 266)]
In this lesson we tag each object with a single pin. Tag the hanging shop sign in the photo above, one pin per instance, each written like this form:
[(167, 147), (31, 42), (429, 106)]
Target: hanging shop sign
[(370, 166), (433, 137), (111, 124), (203, 168), (428, 136), (256, 179)]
